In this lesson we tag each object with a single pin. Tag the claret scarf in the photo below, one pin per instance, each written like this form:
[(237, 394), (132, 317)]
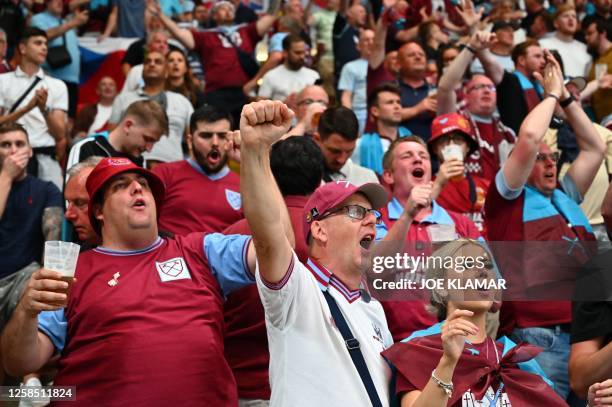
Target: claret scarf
[(523, 380)]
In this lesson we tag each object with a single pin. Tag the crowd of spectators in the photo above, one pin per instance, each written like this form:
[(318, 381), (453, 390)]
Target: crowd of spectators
[(242, 160)]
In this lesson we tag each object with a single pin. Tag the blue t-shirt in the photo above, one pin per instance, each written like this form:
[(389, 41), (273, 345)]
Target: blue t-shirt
[(276, 42), (227, 259), (72, 71), (353, 79), (130, 18), (21, 236), (171, 8)]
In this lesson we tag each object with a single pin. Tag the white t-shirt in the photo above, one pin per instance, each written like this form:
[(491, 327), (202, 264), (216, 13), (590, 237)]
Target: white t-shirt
[(102, 116), (134, 80), (309, 362), (574, 54), (14, 84), (280, 82)]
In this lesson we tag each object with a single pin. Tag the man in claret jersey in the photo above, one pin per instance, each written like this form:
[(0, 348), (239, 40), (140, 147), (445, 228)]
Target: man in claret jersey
[(143, 322), (201, 192)]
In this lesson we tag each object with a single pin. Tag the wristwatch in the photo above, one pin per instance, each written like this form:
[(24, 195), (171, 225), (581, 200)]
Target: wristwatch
[(567, 101)]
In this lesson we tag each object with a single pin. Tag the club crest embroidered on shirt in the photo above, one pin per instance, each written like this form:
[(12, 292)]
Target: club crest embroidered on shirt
[(115, 280), (173, 269), (233, 199), (378, 333)]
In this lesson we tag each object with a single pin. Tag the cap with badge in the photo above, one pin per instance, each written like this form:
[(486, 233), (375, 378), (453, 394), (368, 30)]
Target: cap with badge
[(332, 194), (111, 167)]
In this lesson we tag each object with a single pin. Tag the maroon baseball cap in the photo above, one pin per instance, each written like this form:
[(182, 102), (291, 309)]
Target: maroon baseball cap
[(111, 167), (332, 194), (446, 123)]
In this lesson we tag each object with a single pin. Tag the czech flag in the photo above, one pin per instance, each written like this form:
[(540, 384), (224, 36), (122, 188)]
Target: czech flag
[(99, 59)]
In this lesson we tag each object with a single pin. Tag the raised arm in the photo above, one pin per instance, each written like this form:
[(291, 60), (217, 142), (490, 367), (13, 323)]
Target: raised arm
[(592, 147), (24, 348), (520, 163), (184, 36), (261, 124), (492, 68), (447, 99), (80, 17), (111, 23), (378, 50), (264, 24)]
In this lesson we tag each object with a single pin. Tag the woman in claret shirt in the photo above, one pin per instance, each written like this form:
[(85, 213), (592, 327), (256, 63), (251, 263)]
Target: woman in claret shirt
[(454, 363)]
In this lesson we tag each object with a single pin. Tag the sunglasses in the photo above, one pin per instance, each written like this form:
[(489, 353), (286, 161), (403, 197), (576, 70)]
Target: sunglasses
[(554, 157), (357, 212)]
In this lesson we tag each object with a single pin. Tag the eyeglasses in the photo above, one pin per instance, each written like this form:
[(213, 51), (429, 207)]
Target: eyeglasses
[(309, 102), (554, 157), (480, 86), (206, 135), (357, 212)]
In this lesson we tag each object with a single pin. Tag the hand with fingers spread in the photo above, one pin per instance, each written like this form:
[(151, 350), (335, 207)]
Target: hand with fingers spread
[(46, 291), (471, 17), (420, 198), (600, 394), (263, 123), (454, 332), (482, 40)]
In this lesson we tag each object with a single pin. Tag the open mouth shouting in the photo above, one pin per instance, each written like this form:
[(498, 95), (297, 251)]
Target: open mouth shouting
[(366, 241), (213, 158), (418, 173)]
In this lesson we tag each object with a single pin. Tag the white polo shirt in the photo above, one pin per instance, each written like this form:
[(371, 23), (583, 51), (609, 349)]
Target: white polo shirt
[(14, 84), (309, 362)]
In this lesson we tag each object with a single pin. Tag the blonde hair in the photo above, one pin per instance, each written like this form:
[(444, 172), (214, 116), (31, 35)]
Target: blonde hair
[(436, 270)]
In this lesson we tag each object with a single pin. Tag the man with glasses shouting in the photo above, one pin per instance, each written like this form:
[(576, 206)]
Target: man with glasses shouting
[(527, 202), (201, 192), (318, 309)]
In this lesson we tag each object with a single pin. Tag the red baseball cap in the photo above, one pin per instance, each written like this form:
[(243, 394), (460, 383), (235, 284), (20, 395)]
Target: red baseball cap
[(332, 194), (109, 168), (446, 123)]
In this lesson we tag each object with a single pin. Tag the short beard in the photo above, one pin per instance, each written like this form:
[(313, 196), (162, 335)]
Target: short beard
[(201, 160), (293, 66)]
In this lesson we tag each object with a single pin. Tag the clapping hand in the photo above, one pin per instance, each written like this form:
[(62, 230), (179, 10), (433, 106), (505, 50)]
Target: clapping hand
[(552, 79)]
